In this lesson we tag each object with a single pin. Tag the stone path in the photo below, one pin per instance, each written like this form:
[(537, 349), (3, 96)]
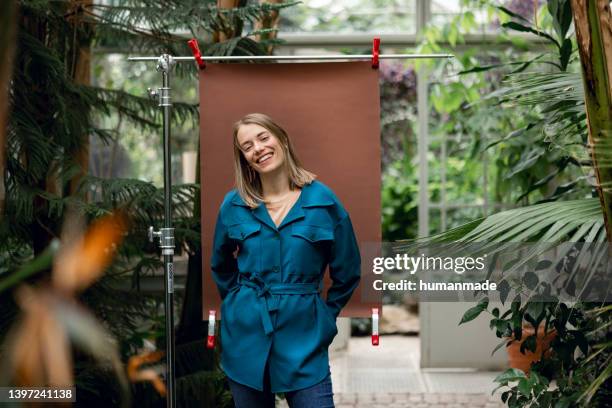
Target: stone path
[(370, 377)]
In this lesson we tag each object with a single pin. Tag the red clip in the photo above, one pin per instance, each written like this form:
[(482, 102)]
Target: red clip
[(210, 341), (375, 52), (375, 337), (193, 44)]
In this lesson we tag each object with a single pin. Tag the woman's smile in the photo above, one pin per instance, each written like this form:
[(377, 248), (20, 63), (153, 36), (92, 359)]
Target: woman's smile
[(265, 159)]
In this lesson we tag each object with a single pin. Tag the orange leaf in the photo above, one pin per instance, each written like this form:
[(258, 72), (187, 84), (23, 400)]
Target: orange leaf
[(136, 374), (82, 262)]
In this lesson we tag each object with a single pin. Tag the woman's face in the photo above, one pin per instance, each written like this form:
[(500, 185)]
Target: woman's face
[(261, 149)]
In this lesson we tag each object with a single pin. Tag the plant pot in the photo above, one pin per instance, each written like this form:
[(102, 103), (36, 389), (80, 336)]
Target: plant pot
[(522, 361)]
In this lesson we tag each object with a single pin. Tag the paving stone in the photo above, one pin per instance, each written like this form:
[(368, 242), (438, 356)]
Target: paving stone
[(415, 397), (347, 398), (366, 397), (384, 398), (446, 398), (463, 399), (432, 398)]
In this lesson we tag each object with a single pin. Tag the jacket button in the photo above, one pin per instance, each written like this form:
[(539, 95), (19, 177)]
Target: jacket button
[(275, 269)]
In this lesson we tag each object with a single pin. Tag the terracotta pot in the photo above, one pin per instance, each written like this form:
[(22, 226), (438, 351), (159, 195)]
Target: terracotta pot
[(523, 361)]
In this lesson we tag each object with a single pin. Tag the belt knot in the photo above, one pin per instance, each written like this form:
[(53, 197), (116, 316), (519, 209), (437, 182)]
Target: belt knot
[(264, 291)]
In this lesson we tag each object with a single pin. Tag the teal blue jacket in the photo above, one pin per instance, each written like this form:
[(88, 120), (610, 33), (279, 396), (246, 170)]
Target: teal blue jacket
[(271, 306)]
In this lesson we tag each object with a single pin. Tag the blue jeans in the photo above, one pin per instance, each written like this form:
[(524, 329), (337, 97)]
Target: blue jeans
[(317, 396)]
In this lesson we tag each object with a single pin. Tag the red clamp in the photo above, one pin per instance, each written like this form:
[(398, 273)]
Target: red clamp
[(193, 44), (210, 341), (375, 337), (375, 52)]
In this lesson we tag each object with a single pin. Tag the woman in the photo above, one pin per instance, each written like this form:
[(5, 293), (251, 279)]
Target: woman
[(287, 228)]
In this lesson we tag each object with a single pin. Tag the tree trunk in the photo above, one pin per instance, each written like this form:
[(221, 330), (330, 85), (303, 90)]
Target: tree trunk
[(227, 31), (593, 25), (270, 21), (82, 76), (8, 20)]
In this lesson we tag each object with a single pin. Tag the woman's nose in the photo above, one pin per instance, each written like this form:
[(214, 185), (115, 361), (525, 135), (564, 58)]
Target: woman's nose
[(258, 147)]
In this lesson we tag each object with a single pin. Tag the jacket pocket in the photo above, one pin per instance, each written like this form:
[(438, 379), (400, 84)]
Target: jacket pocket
[(310, 247), (329, 322), (312, 233), (240, 232)]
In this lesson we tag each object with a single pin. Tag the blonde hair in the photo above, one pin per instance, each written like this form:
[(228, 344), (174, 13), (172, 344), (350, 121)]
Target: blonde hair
[(248, 182)]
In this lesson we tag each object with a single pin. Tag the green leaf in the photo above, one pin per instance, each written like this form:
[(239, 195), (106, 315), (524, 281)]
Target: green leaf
[(500, 345), (530, 343), (505, 395), (545, 264), (471, 314), (530, 280), (545, 400), (40, 263), (511, 374), (524, 387), (583, 344), (475, 311), (504, 290), (565, 53), (522, 28), (534, 310)]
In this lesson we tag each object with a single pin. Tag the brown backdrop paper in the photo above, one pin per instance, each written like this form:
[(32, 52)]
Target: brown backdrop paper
[(331, 112)]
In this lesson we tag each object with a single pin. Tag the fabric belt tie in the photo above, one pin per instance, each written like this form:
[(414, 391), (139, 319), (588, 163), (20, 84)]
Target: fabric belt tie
[(265, 291)]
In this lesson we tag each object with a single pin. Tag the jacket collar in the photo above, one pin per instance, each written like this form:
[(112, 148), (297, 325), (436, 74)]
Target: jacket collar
[(312, 195)]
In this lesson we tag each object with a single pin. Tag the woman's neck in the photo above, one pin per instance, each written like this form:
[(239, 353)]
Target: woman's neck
[(275, 184)]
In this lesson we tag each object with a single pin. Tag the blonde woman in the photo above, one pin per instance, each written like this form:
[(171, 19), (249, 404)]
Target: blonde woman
[(276, 233)]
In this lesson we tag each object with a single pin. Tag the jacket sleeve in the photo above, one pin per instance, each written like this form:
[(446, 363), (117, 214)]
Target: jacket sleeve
[(223, 264), (344, 266)]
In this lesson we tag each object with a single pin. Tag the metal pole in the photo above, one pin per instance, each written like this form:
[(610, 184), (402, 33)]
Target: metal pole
[(299, 57), (423, 16), (166, 234)]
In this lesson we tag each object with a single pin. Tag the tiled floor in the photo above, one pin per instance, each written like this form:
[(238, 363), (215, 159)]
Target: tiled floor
[(389, 376)]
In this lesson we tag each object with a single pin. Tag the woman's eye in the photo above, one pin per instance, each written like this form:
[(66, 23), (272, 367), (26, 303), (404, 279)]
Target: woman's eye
[(264, 138)]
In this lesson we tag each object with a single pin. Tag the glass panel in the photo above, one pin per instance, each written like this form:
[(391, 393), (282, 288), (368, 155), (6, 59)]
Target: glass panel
[(137, 151), (474, 17), (350, 16)]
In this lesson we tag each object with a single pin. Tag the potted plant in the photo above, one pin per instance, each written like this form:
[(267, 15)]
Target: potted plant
[(550, 339)]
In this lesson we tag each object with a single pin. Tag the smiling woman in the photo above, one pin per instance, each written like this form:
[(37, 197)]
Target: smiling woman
[(263, 147), (287, 228)]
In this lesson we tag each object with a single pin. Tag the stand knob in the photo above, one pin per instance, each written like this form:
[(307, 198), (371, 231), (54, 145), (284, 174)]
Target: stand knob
[(153, 93), (153, 234), (166, 239)]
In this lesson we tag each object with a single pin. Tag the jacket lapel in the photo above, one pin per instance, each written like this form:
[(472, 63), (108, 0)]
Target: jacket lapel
[(311, 196), (295, 213), (260, 212)]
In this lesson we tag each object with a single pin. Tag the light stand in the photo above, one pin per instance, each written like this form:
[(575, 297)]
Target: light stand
[(166, 234)]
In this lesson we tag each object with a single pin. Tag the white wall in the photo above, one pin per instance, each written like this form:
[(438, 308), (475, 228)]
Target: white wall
[(446, 344)]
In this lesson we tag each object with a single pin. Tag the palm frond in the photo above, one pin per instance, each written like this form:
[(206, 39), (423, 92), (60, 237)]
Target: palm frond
[(559, 98), (551, 222)]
